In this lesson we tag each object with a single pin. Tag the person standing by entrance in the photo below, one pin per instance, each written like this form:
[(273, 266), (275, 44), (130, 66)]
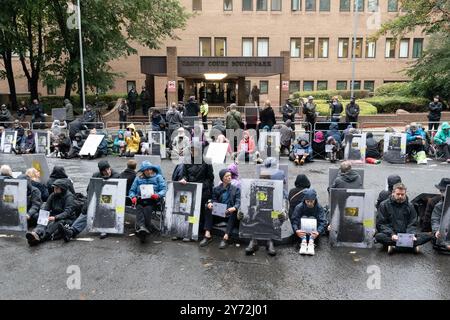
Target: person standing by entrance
[(204, 109), (145, 101), (434, 115), (255, 95), (132, 99)]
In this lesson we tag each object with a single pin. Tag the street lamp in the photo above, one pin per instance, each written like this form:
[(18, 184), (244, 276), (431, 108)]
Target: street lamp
[(83, 95), (355, 31)]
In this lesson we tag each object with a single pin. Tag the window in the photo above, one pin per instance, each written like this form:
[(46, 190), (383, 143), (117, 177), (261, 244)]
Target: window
[(369, 85), (358, 48), (261, 5), (294, 86), (51, 90), (371, 47), (343, 48), (417, 48), (130, 85), (310, 5), (358, 6), (196, 5), (296, 5), (227, 5), (205, 47), (263, 47), (322, 85), (372, 5), (295, 47), (308, 85), (323, 47), (344, 6), (247, 5), (264, 86), (275, 5), (341, 85), (324, 5), (357, 85), (247, 47), (309, 45), (392, 5), (390, 48), (404, 48), (220, 47)]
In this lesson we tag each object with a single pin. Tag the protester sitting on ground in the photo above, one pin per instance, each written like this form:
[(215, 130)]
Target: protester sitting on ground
[(63, 146), (61, 206), (301, 151), (286, 136), (246, 150), (35, 177), (217, 128), (57, 127), (102, 149), (157, 121), (129, 174), (132, 140), (396, 215), (77, 144), (224, 193), (5, 116), (436, 219), (181, 144), (442, 140), (308, 209), (20, 132), (234, 170), (71, 231), (296, 194), (198, 171), (384, 194), (6, 172), (28, 145), (34, 202), (333, 138), (318, 146), (347, 178), (415, 139), (372, 147), (198, 135), (75, 127), (425, 219), (119, 146), (59, 173), (151, 175)]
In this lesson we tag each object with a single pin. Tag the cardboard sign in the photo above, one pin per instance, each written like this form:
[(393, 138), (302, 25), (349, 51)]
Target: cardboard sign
[(308, 225), (43, 217), (405, 240), (219, 209), (91, 144), (147, 191), (217, 152), (40, 163), (329, 148), (355, 147), (394, 147), (9, 139), (13, 205), (59, 114), (42, 141)]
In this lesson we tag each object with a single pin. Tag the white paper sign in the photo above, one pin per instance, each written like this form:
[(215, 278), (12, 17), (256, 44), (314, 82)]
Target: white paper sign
[(308, 225), (43, 217), (448, 141), (146, 191), (405, 240), (299, 152), (219, 209), (91, 144), (328, 148)]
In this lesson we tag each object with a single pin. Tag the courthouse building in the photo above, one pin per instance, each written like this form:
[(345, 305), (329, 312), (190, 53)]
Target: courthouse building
[(282, 46)]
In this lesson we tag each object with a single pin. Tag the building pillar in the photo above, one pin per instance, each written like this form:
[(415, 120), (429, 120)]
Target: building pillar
[(172, 74), (188, 89), (150, 88), (241, 96), (285, 76)]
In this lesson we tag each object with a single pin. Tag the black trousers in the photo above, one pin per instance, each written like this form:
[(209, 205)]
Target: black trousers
[(205, 122), (144, 214), (50, 232), (414, 147), (209, 220), (434, 125), (122, 118), (386, 240), (445, 148)]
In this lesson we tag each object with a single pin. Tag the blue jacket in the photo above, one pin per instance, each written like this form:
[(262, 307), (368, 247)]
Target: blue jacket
[(334, 132), (118, 139), (302, 211), (298, 146), (411, 136), (234, 199), (158, 182)]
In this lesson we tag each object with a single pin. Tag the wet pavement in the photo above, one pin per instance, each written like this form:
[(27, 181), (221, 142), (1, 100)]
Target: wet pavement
[(119, 267)]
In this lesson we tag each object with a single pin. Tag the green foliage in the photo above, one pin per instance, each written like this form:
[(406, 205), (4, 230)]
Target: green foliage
[(394, 89), (390, 104), (329, 94), (324, 108), (51, 102)]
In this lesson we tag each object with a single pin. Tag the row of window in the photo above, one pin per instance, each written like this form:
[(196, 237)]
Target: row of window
[(345, 46), (308, 85), (309, 5)]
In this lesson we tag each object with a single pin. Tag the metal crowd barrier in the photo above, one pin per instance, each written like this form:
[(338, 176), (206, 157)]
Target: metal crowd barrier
[(10, 125), (117, 124)]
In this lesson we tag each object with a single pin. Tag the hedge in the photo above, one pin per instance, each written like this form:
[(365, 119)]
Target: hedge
[(394, 89), (329, 94), (51, 102), (324, 108), (389, 104)]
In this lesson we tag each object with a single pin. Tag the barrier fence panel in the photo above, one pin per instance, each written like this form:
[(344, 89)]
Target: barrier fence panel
[(124, 125), (10, 125), (41, 126)]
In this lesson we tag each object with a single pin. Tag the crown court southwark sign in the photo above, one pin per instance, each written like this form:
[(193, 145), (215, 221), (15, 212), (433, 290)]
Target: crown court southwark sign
[(237, 66)]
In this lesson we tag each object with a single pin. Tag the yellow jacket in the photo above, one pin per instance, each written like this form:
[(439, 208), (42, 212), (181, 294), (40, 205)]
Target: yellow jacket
[(134, 141)]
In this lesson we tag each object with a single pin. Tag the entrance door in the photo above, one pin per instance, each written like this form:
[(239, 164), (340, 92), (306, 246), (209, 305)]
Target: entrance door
[(217, 92)]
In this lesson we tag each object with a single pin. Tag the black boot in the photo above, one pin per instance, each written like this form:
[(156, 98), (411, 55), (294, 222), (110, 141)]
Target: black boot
[(252, 247), (66, 232), (271, 248), (142, 233)]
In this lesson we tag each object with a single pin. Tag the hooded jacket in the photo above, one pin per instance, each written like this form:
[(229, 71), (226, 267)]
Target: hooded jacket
[(352, 110), (334, 132), (133, 141), (348, 180), (59, 173), (435, 109), (372, 147), (200, 173), (130, 176), (394, 218), (42, 189), (286, 133), (234, 170), (411, 136), (296, 194), (441, 137), (5, 115), (302, 211), (34, 201), (157, 180), (29, 143), (307, 147), (174, 119), (218, 125), (233, 120), (120, 138), (69, 110), (436, 216), (384, 194), (192, 109), (62, 205)]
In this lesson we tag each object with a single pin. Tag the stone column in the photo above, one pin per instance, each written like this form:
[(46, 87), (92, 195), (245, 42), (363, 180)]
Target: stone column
[(172, 73), (241, 96), (150, 87), (285, 76)]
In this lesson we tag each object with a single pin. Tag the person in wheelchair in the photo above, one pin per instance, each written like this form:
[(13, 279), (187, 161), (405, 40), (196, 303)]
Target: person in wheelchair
[(442, 141), (146, 193), (333, 141)]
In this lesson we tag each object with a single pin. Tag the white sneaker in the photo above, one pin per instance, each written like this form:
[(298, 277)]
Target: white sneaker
[(311, 248), (303, 248)]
